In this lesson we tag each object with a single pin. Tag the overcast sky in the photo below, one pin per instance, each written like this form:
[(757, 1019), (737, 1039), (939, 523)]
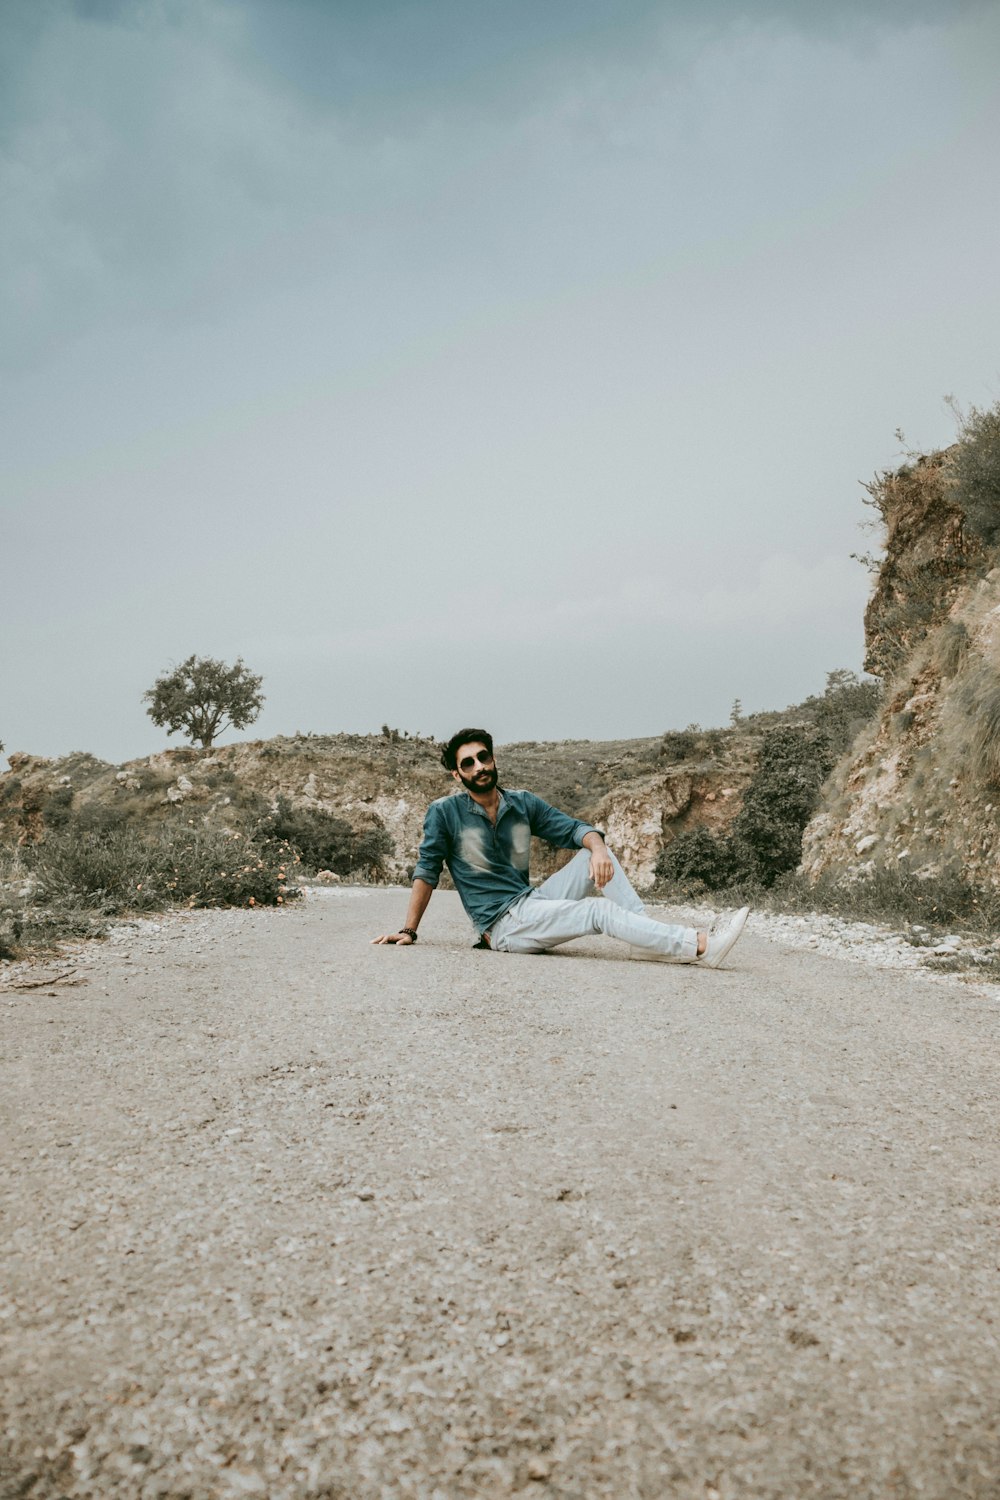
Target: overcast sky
[(460, 361)]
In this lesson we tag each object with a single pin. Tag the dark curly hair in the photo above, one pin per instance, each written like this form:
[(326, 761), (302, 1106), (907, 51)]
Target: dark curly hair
[(449, 754)]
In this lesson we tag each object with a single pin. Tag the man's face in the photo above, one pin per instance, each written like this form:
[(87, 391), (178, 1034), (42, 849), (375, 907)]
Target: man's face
[(477, 770)]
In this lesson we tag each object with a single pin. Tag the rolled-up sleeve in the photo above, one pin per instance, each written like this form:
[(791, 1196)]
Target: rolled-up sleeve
[(556, 827), (434, 847)]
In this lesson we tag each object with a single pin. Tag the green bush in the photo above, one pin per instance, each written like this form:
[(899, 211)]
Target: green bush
[(693, 743), (793, 761), (678, 745), (102, 872), (94, 817), (782, 796), (215, 868), (59, 808), (844, 709), (702, 858), (976, 473), (325, 842)]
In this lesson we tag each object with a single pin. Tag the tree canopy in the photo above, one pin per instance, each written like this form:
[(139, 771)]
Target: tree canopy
[(203, 697)]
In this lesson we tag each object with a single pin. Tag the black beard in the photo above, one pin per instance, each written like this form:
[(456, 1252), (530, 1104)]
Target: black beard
[(473, 784)]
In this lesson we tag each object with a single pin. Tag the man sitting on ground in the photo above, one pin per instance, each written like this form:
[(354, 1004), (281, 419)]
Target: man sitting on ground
[(484, 836)]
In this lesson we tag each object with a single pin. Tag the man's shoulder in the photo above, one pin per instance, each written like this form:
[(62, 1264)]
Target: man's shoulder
[(446, 804), (521, 798)]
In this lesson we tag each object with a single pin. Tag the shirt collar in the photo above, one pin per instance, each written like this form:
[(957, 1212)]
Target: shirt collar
[(481, 811)]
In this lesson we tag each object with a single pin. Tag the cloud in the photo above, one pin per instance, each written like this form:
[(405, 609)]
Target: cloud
[(146, 172), (169, 162)]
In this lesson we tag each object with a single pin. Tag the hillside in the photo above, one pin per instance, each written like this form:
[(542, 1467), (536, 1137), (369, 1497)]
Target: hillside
[(640, 790), (643, 792), (921, 791)]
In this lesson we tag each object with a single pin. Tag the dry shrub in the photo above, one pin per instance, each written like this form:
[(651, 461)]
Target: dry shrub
[(118, 869), (976, 472), (981, 699), (951, 647), (920, 596), (73, 880)]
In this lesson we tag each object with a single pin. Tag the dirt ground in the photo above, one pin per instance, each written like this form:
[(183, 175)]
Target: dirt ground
[(288, 1215)]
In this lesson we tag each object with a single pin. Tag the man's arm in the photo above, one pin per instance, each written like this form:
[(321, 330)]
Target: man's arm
[(434, 848), (568, 833), (419, 897)]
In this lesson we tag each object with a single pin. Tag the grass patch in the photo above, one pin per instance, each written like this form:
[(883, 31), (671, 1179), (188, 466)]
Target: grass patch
[(896, 896)]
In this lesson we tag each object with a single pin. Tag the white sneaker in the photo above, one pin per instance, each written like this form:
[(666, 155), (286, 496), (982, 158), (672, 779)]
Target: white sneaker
[(723, 936)]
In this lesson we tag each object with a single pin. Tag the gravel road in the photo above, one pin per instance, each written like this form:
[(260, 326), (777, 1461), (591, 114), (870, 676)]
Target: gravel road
[(288, 1215)]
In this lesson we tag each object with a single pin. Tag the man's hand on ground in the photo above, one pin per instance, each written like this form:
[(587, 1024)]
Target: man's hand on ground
[(402, 938), (601, 868)]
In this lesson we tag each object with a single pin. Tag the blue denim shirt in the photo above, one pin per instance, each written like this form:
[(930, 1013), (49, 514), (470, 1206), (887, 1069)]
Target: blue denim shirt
[(489, 862)]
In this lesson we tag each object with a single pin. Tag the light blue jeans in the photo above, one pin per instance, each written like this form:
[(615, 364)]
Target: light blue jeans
[(567, 906)]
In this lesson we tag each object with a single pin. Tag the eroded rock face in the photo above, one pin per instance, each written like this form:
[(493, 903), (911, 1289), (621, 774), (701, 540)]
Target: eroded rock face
[(927, 564), (20, 763), (642, 818), (920, 790), (638, 819)]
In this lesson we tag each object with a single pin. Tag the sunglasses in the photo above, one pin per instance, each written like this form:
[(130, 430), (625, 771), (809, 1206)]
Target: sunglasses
[(483, 757)]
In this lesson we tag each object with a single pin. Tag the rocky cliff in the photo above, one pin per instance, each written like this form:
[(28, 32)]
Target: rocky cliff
[(921, 789)]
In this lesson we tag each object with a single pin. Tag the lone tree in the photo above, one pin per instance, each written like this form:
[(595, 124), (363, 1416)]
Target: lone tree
[(203, 697)]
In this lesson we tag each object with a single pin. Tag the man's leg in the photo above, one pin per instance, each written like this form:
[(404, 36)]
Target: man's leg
[(538, 923), (573, 883)]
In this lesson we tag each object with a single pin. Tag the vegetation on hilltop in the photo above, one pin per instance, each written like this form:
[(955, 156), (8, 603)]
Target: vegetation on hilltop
[(940, 518)]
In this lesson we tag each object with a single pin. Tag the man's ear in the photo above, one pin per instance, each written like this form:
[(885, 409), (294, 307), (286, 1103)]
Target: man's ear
[(456, 776)]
